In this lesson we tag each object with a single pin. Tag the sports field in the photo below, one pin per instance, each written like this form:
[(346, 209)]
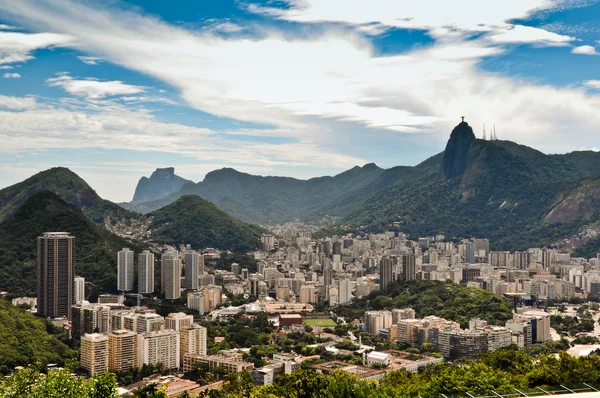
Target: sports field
[(320, 322)]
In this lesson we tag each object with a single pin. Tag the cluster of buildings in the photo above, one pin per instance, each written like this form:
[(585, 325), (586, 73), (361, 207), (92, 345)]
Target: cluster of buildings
[(400, 325), (133, 339), (294, 274)]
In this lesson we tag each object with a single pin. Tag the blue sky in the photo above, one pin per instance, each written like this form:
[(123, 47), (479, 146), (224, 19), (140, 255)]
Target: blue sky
[(114, 89)]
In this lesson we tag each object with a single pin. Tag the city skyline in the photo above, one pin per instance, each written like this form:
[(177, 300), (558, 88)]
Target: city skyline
[(320, 91)]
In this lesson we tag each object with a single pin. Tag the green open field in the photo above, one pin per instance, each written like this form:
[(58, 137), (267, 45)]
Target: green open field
[(326, 323)]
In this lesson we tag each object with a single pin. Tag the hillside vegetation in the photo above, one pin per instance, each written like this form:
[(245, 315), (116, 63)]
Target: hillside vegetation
[(96, 248), (198, 222), (68, 186), (444, 299), (25, 339)]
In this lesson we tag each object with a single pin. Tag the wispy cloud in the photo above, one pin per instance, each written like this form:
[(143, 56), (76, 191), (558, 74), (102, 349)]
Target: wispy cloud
[(17, 47), (93, 89), (11, 76), (90, 60)]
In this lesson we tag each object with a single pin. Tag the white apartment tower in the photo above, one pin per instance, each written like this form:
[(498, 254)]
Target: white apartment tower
[(125, 270), (146, 272), (161, 347), (79, 289), (345, 291)]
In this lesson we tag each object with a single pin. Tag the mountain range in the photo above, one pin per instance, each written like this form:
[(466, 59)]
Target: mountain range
[(513, 194), (267, 200)]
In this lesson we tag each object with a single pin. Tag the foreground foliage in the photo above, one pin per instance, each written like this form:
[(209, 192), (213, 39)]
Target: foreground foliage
[(501, 371)]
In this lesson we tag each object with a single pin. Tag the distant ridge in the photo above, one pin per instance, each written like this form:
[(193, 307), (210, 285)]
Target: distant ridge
[(162, 183)]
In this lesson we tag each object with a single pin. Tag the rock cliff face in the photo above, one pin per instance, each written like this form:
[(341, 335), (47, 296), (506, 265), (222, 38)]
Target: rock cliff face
[(162, 182), (454, 162)]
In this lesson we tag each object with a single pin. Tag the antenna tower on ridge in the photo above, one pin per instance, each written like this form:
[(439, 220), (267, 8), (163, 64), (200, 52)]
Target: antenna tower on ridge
[(484, 135), (495, 135)]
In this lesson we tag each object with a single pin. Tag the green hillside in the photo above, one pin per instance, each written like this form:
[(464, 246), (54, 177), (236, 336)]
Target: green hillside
[(504, 194), (68, 186), (444, 299), (96, 248), (25, 339), (200, 223)]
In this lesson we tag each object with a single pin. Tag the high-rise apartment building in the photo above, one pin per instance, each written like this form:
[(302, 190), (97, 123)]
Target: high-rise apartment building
[(146, 272), (178, 320), (386, 273), (94, 353), (90, 318), (345, 291), (125, 270), (171, 275), (192, 261), (409, 267), (161, 347), (79, 284), (377, 320), (193, 340), (123, 350), (55, 274), (307, 294)]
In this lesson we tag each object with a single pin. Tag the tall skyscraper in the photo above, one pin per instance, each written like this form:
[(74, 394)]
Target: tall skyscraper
[(192, 261), (79, 289), (409, 267), (146, 272), (171, 275), (55, 274), (470, 257), (345, 291), (386, 268), (125, 270)]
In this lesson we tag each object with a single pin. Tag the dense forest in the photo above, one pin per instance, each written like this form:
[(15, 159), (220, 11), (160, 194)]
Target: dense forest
[(25, 339)]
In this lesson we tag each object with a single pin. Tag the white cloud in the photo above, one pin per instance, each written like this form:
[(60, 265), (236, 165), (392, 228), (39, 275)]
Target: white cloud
[(90, 60), (308, 87), (16, 103), (93, 89), (594, 84), (11, 76), (462, 16), (586, 50), (17, 47)]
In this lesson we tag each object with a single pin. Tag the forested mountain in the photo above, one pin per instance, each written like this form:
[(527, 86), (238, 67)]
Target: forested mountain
[(196, 221), (96, 248), (270, 199), (514, 195), (162, 183), (67, 185)]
